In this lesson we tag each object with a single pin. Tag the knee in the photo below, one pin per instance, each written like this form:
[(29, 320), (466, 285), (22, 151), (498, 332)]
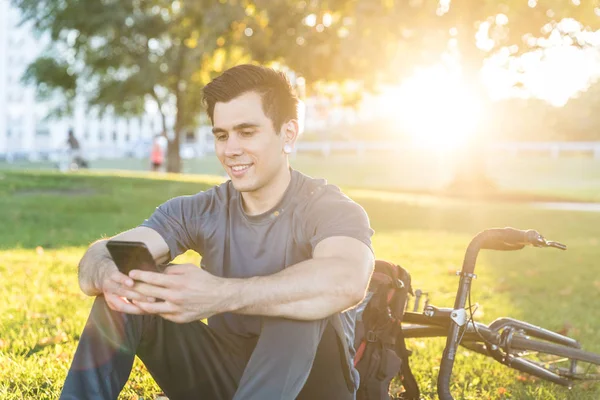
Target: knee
[(115, 326), (108, 319)]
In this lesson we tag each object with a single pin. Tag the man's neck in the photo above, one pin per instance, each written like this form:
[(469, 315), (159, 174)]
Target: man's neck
[(267, 197)]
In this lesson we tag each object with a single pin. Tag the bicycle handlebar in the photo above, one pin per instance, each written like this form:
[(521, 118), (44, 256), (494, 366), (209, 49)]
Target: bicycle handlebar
[(514, 239), (494, 239)]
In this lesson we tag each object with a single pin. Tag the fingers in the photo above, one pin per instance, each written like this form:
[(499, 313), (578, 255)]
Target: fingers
[(121, 278), (163, 307), (120, 304), (121, 285), (154, 278), (147, 291)]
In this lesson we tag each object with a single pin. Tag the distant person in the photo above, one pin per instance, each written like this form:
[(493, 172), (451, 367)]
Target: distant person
[(285, 260), (72, 141), (76, 160), (157, 156)]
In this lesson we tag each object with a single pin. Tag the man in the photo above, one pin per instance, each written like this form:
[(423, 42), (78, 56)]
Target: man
[(283, 257)]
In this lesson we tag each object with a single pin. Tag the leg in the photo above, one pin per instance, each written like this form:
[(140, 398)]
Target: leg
[(184, 359), (283, 358), (326, 380), (191, 361), (104, 355)]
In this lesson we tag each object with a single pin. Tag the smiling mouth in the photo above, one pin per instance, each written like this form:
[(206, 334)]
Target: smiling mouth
[(240, 167), (239, 170)]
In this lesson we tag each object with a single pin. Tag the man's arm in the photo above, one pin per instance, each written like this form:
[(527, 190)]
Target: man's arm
[(96, 264), (335, 279)]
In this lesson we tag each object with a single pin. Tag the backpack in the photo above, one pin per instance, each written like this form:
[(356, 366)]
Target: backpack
[(381, 352)]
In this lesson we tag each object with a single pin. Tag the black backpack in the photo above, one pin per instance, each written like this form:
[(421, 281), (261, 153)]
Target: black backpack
[(381, 352)]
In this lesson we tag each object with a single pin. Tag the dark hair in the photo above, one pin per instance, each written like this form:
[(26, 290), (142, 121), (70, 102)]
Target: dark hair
[(279, 101)]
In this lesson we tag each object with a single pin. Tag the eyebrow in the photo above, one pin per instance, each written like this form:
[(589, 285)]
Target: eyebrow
[(237, 127)]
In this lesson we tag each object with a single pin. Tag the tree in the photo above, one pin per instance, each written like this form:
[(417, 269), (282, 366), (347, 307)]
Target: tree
[(518, 26), (374, 41), (121, 54)]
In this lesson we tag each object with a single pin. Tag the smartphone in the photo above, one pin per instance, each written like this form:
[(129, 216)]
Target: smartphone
[(131, 255)]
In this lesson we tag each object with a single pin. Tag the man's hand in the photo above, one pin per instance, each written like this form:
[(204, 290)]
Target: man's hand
[(189, 293), (116, 288)]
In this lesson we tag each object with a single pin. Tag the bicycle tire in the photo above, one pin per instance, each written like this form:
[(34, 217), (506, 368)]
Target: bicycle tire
[(523, 343)]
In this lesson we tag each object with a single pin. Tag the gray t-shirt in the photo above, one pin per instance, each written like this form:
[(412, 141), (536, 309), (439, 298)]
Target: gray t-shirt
[(236, 245)]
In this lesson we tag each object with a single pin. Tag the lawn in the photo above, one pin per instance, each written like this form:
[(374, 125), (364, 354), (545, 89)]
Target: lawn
[(48, 220), (568, 177)]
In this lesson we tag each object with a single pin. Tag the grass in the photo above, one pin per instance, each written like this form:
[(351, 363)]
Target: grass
[(49, 219), (569, 177)]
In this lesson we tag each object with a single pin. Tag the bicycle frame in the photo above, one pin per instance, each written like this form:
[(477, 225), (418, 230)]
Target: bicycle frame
[(489, 340), (495, 239)]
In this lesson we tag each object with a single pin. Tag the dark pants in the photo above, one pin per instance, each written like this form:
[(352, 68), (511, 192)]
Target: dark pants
[(289, 359)]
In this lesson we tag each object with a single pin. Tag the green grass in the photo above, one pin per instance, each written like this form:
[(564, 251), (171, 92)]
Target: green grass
[(49, 219), (569, 177)]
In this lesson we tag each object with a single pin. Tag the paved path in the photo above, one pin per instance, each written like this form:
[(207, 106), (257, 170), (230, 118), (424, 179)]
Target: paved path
[(569, 206)]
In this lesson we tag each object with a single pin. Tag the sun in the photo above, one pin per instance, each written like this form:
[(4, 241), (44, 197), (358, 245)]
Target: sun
[(434, 109)]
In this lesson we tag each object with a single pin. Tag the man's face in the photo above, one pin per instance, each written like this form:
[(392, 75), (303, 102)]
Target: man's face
[(246, 143)]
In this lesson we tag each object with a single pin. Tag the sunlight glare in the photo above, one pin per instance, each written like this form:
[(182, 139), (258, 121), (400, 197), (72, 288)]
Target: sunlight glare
[(434, 109)]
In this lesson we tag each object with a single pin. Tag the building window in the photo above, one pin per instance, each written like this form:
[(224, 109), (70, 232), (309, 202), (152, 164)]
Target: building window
[(42, 131), (101, 136), (127, 137), (114, 136)]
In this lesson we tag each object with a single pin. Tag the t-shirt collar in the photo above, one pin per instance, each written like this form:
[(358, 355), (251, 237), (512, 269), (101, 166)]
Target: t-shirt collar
[(279, 208)]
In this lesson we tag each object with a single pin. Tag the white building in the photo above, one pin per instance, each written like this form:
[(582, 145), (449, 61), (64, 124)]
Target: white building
[(27, 133), (24, 129)]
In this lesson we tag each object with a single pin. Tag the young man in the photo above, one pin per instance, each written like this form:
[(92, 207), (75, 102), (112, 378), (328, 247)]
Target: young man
[(285, 258)]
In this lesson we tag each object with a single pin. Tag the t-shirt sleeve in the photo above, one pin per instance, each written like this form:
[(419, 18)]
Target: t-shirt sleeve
[(178, 221), (332, 213)]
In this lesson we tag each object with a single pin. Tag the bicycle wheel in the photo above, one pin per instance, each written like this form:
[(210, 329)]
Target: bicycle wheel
[(567, 362)]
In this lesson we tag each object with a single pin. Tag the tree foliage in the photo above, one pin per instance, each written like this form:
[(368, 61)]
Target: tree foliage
[(120, 54)]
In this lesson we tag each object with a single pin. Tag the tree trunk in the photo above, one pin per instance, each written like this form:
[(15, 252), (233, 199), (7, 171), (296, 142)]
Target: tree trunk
[(173, 155), (163, 118)]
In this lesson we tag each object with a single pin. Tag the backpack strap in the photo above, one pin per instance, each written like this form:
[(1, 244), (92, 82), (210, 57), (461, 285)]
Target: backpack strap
[(409, 382)]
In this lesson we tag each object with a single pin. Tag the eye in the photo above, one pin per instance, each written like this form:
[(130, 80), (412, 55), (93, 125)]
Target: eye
[(246, 133), (221, 137)]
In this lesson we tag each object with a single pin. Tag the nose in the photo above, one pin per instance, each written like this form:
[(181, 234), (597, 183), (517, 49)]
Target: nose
[(233, 147)]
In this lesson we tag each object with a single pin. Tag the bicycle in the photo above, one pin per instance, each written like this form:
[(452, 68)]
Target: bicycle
[(557, 358)]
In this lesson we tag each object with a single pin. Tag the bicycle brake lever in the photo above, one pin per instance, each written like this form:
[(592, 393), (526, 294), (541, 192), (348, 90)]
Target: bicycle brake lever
[(536, 240), (556, 245)]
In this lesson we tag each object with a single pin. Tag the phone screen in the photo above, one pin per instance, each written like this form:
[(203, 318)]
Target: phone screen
[(131, 255)]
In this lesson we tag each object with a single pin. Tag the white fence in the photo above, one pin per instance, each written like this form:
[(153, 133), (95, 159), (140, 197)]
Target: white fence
[(553, 149)]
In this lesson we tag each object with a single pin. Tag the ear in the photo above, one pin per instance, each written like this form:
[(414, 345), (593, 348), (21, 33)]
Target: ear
[(289, 132)]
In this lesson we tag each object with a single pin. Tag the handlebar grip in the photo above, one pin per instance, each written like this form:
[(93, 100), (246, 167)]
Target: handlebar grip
[(508, 238)]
